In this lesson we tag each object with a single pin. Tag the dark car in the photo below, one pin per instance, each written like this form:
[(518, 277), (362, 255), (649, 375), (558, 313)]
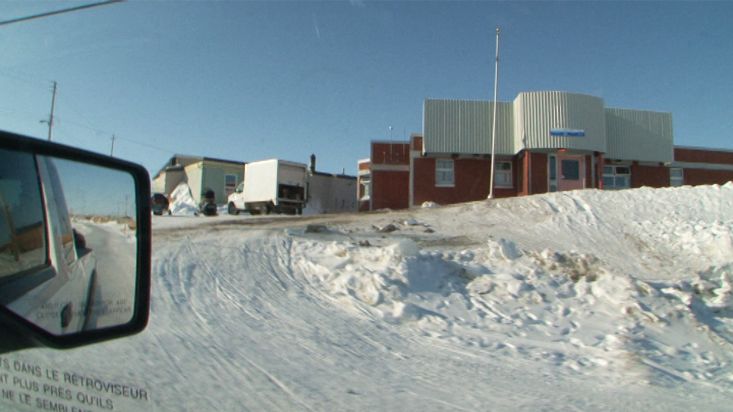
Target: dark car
[(159, 204)]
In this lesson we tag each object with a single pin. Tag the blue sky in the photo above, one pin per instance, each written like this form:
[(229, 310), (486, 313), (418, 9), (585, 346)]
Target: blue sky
[(110, 192), (248, 81)]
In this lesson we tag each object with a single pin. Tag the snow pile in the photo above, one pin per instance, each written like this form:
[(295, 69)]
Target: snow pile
[(565, 309), (182, 203), (641, 290)]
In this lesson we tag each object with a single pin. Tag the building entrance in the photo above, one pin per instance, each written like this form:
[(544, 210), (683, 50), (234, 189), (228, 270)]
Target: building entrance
[(571, 172)]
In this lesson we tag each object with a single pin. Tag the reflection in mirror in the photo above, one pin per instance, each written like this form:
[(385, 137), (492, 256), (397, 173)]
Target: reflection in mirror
[(68, 244)]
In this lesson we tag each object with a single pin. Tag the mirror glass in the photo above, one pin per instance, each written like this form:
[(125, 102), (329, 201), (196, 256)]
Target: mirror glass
[(68, 242)]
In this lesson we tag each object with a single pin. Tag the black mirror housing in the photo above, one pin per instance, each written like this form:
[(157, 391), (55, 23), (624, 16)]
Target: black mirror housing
[(20, 332)]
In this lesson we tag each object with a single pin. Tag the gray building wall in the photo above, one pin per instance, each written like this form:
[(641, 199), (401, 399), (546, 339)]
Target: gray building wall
[(331, 193), (547, 120), (639, 135), (465, 126), (213, 177), (538, 113)]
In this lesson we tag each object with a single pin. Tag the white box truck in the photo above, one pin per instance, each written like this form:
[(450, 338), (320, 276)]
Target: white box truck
[(270, 186)]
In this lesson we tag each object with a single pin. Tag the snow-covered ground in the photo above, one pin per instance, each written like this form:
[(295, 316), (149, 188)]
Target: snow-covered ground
[(586, 300)]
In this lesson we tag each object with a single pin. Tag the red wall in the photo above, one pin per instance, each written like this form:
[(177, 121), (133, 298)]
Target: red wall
[(652, 176), (703, 156), (706, 177), (390, 189), (539, 173), (471, 182), (599, 170), (702, 176), (417, 143), (390, 153)]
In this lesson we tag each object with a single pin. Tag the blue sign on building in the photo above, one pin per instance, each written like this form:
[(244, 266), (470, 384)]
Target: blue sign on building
[(567, 132)]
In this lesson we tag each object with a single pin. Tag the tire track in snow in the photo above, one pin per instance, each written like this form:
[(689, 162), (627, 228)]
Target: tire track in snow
[(194, 285)]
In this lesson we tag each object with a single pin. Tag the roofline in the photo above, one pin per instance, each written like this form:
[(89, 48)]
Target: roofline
[(214, 159), (544, 91), (339, 175), (286, 162), (468, 100), (560, 91), (391, 141), (202, 158), (707, 149), (637, 110)]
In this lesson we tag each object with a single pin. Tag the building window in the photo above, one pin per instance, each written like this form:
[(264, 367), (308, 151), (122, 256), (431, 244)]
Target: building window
[(230, 183), (616, 177), (570, 169), (503, 174), (676, 177), (444, 175)]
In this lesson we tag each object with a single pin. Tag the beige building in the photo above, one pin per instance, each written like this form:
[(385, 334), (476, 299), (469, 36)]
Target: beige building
[(201, 174)]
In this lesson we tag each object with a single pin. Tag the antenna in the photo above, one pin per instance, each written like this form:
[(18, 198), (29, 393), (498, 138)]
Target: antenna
[(493, 126)]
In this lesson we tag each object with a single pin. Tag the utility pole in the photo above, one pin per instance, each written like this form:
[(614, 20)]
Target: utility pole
[(112, 150), (493, 127), (50, 117)]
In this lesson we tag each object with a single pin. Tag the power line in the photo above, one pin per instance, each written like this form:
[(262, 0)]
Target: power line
[(24, 78), (55, 12), (169, 151), (101, 132)]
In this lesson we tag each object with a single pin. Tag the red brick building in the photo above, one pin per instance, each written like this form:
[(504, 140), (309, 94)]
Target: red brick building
[(546, 142)]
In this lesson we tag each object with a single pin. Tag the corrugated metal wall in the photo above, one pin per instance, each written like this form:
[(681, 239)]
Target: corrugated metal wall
[(536, 113), (537, 120), (639, 135), (463, 126)]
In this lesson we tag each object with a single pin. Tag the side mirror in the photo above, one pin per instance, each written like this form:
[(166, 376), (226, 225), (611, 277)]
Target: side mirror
[(74, 245)]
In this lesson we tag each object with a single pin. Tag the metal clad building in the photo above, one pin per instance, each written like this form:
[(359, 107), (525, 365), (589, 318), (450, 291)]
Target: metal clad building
[(464, 126), (546, 141)]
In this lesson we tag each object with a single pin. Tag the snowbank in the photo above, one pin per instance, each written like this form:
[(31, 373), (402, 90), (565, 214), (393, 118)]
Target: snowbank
[(618, 284)]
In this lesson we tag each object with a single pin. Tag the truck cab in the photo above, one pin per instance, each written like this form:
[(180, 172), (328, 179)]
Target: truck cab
[(46, 271)]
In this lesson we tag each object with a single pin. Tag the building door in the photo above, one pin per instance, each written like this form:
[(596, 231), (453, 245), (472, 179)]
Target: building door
[(571, 174)]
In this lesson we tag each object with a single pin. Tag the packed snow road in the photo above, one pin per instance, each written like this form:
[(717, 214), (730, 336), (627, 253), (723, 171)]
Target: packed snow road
[(580, 300), (115, 247)]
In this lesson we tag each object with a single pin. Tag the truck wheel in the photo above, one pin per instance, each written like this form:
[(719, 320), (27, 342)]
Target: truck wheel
[(232, 210)]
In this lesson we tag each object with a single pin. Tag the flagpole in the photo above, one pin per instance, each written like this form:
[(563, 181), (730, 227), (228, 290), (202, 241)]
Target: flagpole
[(493, 127)]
